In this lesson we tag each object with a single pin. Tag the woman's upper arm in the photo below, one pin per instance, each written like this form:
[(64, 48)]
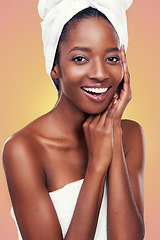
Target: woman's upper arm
[(35, 213), (135, 159)]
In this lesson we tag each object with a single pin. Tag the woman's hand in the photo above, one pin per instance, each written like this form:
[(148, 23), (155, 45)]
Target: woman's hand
[(124, 90), (98, 130)]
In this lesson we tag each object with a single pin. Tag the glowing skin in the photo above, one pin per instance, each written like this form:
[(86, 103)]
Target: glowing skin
[(83, 136), (90, 60)]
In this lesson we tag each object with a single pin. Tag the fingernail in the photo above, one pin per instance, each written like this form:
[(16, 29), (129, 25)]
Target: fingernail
[(115, 95), (115, 101)]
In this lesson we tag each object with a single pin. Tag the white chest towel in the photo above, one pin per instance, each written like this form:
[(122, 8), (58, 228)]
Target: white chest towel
[(64, 201)]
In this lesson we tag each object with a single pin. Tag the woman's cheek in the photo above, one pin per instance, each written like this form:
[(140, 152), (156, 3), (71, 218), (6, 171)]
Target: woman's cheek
[(118, 74), (73, 73)]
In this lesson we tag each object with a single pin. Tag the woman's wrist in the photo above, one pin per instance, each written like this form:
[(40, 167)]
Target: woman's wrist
[(117, 141), (117, 130), (98, 170)]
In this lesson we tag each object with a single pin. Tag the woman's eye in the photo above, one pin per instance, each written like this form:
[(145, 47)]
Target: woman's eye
[(113, 59), (79, 59)]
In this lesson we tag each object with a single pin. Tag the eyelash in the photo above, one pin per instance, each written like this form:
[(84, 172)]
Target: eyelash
[(109, 59), (78, 57)]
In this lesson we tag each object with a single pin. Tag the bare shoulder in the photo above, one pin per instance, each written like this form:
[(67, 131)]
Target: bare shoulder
[(134, 143), (20, 156), (24, 144), (17, 144), (132, 129)]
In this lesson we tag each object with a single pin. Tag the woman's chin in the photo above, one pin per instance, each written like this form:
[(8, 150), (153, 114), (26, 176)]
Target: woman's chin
[(96, 111)]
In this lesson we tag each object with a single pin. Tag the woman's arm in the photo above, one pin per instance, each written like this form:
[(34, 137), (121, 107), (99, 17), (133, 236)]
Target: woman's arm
[(125, 178), (34, 211), (125, 188), (98, 132)]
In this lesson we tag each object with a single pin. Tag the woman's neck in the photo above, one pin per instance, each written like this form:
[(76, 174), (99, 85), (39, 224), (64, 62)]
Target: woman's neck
[(68, 117)]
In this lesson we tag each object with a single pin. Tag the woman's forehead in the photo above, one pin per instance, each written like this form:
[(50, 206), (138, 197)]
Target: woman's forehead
[(91, 31)]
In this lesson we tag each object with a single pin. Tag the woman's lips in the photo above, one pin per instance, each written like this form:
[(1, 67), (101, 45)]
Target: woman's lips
[(96, 94)]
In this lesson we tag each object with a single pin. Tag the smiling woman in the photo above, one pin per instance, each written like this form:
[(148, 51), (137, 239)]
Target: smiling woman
[(89, 67), (77, 171)]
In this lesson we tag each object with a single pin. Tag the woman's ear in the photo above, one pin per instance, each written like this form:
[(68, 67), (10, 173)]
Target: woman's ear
[(55, 71)]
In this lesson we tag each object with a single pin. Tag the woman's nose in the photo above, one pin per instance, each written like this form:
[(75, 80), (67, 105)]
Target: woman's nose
[(98, 71)]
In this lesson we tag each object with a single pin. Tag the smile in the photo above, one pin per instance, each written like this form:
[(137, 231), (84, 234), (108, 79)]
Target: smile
[(96, 90), (96, 94)]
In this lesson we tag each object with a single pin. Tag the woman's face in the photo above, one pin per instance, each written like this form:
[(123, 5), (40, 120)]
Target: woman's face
[(90, 68)]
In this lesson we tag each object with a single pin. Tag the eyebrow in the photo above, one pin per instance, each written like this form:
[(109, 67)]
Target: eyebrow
[(115, 49), (86, 49)]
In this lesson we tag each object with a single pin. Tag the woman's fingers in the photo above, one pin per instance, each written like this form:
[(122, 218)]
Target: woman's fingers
[(95, 119), (102, 118), (86, 123), (126, 84), (124, 90), (98, 119), (90, 124), (125, 66), (98, 130), (110, 115)]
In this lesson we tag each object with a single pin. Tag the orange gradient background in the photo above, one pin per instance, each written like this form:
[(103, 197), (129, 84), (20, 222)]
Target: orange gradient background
[(27, 92)]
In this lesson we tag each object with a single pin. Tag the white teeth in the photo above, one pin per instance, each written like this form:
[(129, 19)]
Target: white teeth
[(96, 90)]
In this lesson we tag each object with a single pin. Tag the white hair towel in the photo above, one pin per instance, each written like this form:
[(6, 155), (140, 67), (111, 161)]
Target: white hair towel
[(56, 13)]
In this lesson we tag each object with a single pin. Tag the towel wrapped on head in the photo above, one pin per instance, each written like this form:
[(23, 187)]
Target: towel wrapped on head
[(56, 13)]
